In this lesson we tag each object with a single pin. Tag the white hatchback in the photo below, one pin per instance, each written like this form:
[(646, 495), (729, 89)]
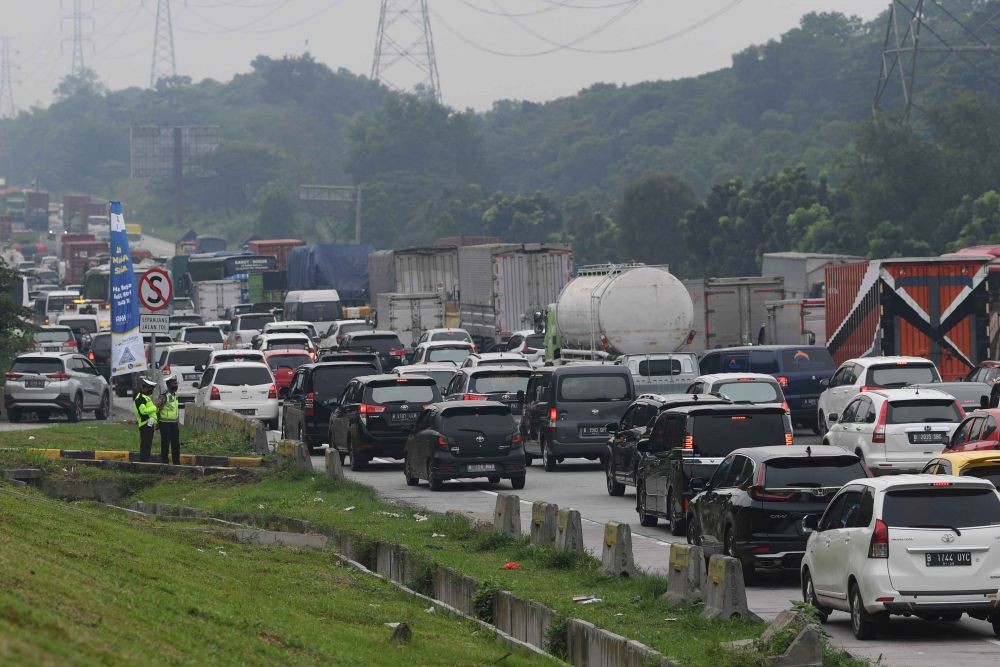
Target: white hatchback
[(244, 388), (896, 430), (923, 545)]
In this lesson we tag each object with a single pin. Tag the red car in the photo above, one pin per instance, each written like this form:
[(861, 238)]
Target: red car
[(978, 431), (283, 364)]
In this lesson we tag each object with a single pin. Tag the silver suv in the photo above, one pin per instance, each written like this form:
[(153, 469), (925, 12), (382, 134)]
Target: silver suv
[(47, 382)]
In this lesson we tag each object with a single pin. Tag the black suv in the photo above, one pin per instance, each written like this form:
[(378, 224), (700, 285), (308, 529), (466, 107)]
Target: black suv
[(490, 383), (306, 410), (385, 344), (569, 412), (621, 459), (753, 506), (375, 415), (465, 439), (691, 442)]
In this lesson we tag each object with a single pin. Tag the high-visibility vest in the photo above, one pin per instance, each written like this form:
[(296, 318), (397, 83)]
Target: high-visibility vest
[(169, 410), (145, 410)]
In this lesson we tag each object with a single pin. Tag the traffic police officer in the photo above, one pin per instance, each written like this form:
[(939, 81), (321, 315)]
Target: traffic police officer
[(170, 432), (145, 416)]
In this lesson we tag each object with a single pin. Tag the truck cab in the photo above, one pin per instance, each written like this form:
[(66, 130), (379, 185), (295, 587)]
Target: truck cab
[(661, 373)]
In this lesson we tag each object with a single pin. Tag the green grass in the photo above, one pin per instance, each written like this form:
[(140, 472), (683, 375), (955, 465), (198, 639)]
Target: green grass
[(119, 436), (88, 586), (631, 607)]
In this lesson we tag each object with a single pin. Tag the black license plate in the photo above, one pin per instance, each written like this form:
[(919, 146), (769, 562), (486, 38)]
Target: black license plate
[(586, 431), (809, 402), (927, 437), (34, 384), (190, 377), (403, 416), (948, 559), (245, 411)]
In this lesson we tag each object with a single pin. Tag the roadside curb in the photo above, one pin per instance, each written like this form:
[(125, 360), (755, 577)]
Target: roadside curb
[(187, 460)]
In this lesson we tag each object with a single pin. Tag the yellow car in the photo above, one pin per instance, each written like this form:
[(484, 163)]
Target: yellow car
[(982, 464)]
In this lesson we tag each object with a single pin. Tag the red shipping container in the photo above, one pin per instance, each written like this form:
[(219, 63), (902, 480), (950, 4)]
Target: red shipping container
[(71, 237), (80, 256), (933, 307), (73, 207), (36, 200), (278, 248)]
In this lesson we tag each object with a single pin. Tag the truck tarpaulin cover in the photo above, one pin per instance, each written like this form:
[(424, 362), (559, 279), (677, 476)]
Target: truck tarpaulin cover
[(330, 266)]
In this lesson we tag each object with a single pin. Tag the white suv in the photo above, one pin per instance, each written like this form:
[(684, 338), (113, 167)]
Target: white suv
[(855, 375), (240, 387), (896, 430), (756, 388), (925, 545)]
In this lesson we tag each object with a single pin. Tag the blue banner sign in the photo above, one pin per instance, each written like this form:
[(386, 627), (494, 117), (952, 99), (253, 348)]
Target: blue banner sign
[(127, 350)]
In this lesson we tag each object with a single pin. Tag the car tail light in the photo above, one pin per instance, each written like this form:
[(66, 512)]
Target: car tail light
[(788, 439), (272, 392), (369, 409), (90, 355), (760, 550), (166, 369), (238, 338), (940, 483), (870, 387), (760, 493), (784, 406), (398, 352), (553, 418), (530, 350), (442, 442), (310, 405), (12, 376), (878, 547), (878, 436), (516, 440), (783, 381), (688, 441), (57, 376), (214, 395), (69, 343), (475, 397)]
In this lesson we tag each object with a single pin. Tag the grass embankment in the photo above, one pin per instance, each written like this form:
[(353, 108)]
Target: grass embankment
[(119, 436), (631, 607), (95, 587)]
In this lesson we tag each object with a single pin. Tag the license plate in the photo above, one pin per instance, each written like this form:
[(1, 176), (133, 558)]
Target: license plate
[(927, 437), (948, 558), (482, 467), (403, 416), (809, 402), (34, 384), (245, 411), (593, 430), (190, 377)]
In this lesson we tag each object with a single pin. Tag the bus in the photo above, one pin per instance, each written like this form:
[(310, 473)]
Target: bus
[(227, 266), (97, 281)]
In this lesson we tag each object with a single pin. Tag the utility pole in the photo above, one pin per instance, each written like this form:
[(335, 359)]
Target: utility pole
[(77, 18), (404, 39), (7, 106), (164, 63), (357, 215)]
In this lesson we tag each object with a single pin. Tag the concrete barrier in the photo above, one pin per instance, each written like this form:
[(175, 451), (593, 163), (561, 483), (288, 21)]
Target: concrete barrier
[(685, 573), (525, 620), (724, 590), (590, 646), (616, 559), (569, 531), (205, 419), (507, 515), (543, 523), (294, 452), (334, 469), (454, 589)]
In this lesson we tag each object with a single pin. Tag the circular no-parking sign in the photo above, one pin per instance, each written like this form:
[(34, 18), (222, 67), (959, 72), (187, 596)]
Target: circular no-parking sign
[(155, 290)]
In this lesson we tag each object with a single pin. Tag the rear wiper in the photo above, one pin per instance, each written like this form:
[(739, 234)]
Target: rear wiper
[(936, 420), (937, 525)]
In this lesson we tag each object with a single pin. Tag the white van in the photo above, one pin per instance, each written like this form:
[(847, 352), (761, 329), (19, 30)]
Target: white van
[(57, 303), (320, 306)]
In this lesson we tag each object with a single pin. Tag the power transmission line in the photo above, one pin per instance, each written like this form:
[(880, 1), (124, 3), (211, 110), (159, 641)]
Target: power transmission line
[(404, 36), (164, 61), (7, 107)]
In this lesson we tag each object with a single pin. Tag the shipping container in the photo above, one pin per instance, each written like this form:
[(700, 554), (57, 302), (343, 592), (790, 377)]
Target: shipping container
[(267, 286), (381, 273), (804, 272), (933, 307), (73, 210), (414, 270), (213, 297), (409, 315), (730, 311), (796, 322), (94, 208), (280, 248), (70, 237), (80, 256), (503, 285), (36, 200)]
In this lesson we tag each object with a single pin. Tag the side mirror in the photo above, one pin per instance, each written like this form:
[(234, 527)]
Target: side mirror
[(283, 393), (825, 382), (810, 523), (833, 417), (697, 484), (612, 427), (196, 385)]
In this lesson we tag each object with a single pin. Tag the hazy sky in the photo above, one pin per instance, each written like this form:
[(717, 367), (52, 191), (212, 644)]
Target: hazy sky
[(218, 38)]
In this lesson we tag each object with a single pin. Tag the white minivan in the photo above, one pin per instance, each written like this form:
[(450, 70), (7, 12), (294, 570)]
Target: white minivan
[(322, 307)]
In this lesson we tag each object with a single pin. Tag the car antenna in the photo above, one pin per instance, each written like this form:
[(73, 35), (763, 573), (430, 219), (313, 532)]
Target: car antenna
[(809, 451)]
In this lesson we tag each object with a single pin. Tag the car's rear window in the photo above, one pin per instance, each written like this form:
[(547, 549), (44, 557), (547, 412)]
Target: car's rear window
[(990, 472), (754, 391), (661, 367), (60, 302), (536, 341), (807, 359), (408, 390), (287, 344), (923, 411), (251, 375), (330, 381), (203, 335), (720, 434), (291, 361), (812, 472), (101, 345), (233, 356), (901, 375), (442, 378), (594, 388), (450, 335), (189, 357), (344, 329), (253, 321), (454, 354), (499, 382), (90, 326), (318, 311), (380, 344), (58, 336), (486, 419), (40, 365), (941, 507)]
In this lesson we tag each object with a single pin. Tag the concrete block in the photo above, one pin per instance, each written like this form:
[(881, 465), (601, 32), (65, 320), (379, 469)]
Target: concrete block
[(685, 574), (543, 523), (22, 473), (507, 515), (569, 531), (806, 650), (301, 540), (783, 621), (724, 591), (334, 470), (294, 452), (109, 491), (616, 559)]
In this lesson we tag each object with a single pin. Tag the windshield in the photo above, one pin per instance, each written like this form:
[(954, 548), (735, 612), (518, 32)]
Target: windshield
[(720, 434), (752, 392), (287, 344), (499, 383), (251, 375), (188, 357), (900, 375), (380, 344), (203, 335), (253, 322), (807, 359), (812, 472), (344, 329), (90, 326), (290, 361), (923, 411), (941, 506), (39, 365), (594, 388), (450, 335), (59, 302), (331, 380), (58, 336), (663, 367), (455, 355), (407, 391), (442, 378), (318, 311), (990, 471), (488, 420)]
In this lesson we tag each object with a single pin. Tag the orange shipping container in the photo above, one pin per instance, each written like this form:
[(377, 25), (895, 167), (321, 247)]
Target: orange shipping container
[(278, 248)]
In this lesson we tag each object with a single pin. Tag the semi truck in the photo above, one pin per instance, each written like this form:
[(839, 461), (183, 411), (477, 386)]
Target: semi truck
[(213, 297), (409, 315), (730, 311)]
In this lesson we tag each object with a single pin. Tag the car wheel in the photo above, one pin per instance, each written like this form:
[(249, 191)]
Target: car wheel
[(14, 415), (815, 428), (517, 482), (411, 479), (995, 622), (104, 411), (809, 597), (358, 462), (863, 624), (678, 527), (615, 488), (729, 543), (121, 391), (645, 519), (437, 484), (821, 428), (528, 459), (548, 460), (76, 412)]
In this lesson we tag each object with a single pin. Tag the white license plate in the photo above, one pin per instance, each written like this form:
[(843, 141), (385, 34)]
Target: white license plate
[(482, 467)]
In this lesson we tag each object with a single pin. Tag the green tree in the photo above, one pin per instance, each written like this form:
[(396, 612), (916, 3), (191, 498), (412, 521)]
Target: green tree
[(977, 219), (648, 218), (523, 219), (15, 319)]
